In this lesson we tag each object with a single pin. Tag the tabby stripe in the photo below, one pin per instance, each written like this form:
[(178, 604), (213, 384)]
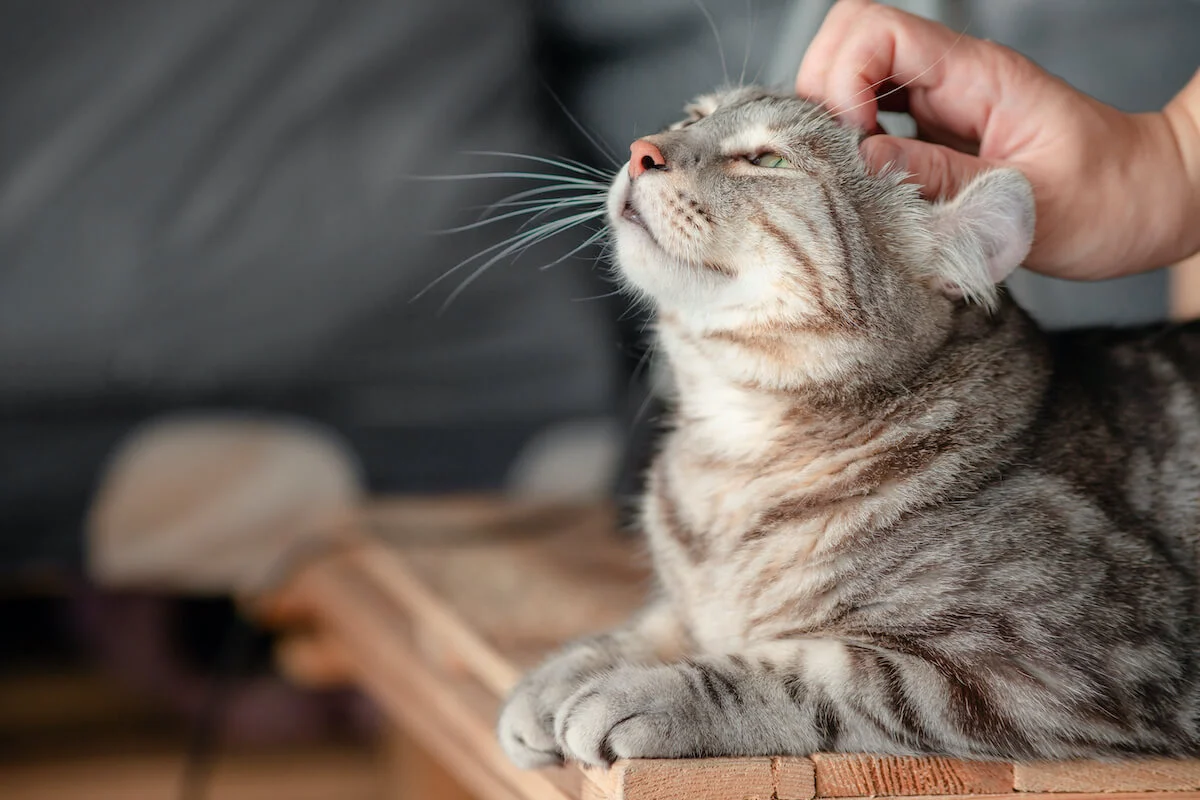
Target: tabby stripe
[(979, 716), (682, 533), (899, 702), (815, 280), (714, 684), (864, 704), (826, 722), (853, 313)]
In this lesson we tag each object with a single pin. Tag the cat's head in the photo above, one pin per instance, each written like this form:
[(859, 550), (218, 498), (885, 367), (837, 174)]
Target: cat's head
[(757, 213)]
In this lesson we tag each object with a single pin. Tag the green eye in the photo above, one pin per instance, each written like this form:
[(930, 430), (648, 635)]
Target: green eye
[(771, 161)]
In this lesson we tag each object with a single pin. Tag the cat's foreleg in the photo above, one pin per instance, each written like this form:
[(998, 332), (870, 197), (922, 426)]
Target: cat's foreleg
[(801, 696), (527, 720)]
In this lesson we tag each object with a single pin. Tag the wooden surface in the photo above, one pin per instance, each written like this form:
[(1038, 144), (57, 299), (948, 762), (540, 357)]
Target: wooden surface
[(435, 608), (705, 779), (1089, 776), (857, 775)]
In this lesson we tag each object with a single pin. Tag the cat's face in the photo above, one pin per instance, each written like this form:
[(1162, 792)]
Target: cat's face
[(757, 211)]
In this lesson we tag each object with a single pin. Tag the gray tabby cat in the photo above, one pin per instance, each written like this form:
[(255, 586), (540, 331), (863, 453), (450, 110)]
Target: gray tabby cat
[(891, 515)]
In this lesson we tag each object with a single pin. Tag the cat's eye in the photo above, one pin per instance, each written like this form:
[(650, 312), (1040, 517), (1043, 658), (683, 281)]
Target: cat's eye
[(771, 161)]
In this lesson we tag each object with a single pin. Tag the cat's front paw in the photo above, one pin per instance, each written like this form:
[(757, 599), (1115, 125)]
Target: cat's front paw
[(526, 730), (526, 724), (630, 712)]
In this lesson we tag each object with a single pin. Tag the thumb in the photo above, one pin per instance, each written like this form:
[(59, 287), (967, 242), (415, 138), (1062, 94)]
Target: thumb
[(940, 171)]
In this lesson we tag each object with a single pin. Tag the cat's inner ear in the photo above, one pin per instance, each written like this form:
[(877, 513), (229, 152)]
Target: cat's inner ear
[(984, 234), (697, 110)]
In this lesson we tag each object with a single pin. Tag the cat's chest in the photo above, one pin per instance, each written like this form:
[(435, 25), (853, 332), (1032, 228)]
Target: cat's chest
[(732, 579)]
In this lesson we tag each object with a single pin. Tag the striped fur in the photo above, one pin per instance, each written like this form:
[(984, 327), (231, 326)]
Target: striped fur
[(885, 519)]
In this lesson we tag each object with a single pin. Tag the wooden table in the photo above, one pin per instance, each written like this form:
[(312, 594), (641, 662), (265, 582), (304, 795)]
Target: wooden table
[(435, 607)]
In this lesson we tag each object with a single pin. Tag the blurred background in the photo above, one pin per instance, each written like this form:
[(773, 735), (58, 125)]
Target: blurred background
[(210, 232)]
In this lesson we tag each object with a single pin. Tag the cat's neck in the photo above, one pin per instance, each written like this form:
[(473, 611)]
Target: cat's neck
[(737, 393)]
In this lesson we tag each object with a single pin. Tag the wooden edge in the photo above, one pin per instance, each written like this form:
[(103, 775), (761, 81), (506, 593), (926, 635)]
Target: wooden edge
[(704, 779), (438, 622), (1067, 796), (315, 660), (449, 717)]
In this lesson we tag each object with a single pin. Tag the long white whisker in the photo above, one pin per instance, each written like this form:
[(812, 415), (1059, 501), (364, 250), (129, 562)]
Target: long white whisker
[(533, 193), (861, 67), (712, 24), (542, 207), (596, 143), (513, 244), (522, 243), (588, 242), (567, 164), (572, 199), (540, 176), (594, 297), (750, 23), (916, 77)]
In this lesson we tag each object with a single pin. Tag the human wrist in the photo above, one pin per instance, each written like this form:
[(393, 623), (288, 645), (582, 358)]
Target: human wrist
[(1182, 119)]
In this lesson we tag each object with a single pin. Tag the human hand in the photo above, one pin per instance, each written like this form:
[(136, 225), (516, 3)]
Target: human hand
[(1116, 193)]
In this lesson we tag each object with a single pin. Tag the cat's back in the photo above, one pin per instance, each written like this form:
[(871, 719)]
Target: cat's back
[(1121, 422)]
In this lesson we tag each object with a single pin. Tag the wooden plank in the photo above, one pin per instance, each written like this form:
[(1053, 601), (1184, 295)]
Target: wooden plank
[(313, 660), (414, 773), (436, 620), (1162, 774), (858, 775), (705, 779), (150, 768), (451, 718), (1070, 796)]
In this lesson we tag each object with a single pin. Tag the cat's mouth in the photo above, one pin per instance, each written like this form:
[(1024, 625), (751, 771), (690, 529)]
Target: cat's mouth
[(629, 212)]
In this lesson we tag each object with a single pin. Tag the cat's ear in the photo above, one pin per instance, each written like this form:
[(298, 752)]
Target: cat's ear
[(697, 110), (984, 234)]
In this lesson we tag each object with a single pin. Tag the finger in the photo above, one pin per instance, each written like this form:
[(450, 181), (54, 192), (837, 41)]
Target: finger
[(884, 45), (814, 68), (940, 171)]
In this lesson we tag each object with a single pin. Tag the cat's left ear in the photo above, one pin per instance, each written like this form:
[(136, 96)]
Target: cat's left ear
[(984, 233)]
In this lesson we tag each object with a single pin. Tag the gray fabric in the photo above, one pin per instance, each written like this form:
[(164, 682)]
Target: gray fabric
[(204, 197)]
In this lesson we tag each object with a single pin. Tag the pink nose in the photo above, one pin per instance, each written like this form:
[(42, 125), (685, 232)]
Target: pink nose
[(643, 156)]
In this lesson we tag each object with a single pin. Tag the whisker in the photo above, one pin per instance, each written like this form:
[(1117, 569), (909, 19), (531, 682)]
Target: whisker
[(514, 244), (539, 214), (534, 192), (861, 67), (750, 23), (588, 242), (542, 207), (565, 163), (712, 24), (519, 244), (572, 198), (595, 297), (595, 142), (543, 176), (916, 77)]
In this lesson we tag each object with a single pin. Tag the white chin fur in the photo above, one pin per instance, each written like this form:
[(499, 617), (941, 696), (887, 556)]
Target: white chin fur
[(646, 266)]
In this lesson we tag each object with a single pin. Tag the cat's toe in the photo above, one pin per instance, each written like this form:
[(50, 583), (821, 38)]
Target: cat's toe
[(628, 713), (526, 734)]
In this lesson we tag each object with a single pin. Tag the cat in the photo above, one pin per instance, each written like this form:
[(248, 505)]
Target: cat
[(890, 514)]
